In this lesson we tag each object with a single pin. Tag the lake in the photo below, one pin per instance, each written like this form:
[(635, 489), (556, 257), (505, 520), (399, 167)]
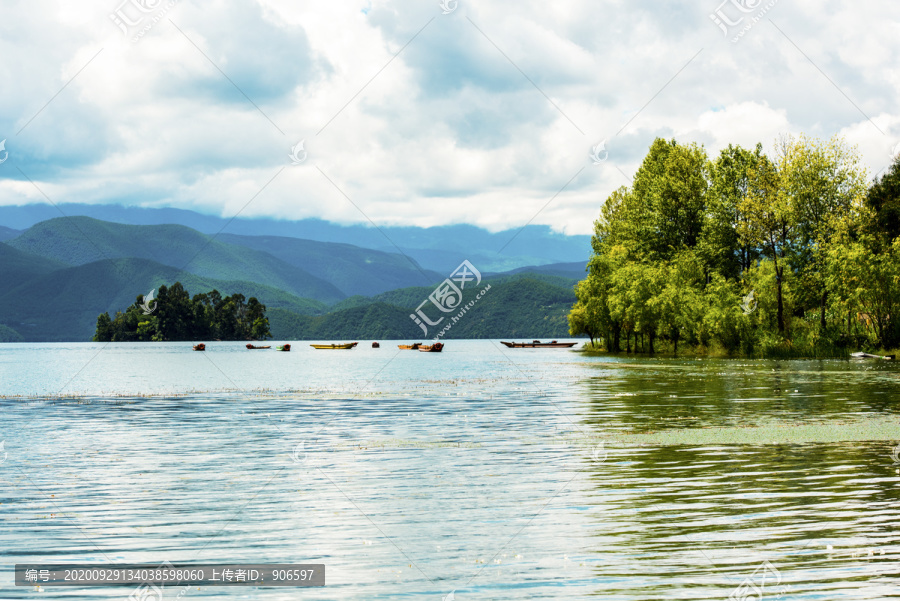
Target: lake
[(485, 472)]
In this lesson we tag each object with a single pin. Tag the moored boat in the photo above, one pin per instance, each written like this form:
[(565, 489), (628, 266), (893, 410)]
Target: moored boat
[(538, 344), (286, 348), (255, 348), (376, 345), (348, 345), (409, 347), (871, 356), (437, 347), (200, 347)]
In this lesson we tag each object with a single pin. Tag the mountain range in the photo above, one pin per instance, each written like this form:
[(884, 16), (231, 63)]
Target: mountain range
[(439, 248), (57, 275)]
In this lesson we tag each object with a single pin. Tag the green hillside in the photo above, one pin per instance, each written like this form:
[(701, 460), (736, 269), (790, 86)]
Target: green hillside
[(9, 335), (64, 305), (17, 266), (353, 270), (520, 307), (82, 240)]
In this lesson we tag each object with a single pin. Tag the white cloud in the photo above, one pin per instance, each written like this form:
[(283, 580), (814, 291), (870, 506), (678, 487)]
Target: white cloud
[(447, 131)]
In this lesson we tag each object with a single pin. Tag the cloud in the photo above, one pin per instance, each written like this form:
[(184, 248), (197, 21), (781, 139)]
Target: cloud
[(485, 115)]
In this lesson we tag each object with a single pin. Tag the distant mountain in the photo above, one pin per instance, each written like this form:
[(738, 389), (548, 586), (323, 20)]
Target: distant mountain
[(63, 305), (353, 270), (439, 248), (565, 270), (8, 233), (82, 240), (520, 307), (17, 266)]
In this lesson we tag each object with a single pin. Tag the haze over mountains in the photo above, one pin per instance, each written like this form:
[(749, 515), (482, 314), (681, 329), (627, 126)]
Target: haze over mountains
[(57, 275)]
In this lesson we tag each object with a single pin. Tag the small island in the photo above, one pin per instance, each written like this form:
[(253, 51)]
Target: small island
[(174, 316)]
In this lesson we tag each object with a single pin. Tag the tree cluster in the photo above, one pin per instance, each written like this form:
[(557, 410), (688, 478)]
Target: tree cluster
[(747, 252), (174, 315)]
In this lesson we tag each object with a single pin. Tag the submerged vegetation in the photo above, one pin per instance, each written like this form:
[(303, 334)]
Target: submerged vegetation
[(174, 315), (783, 256)]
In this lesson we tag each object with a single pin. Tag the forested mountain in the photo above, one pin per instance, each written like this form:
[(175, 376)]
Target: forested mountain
[(63, 305), (81, 240), (439, 248)]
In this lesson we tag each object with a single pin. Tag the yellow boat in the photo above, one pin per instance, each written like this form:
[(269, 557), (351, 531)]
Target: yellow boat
[(349, 345)]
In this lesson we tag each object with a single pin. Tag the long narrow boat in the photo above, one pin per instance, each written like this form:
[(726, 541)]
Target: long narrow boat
[(200, 347), (256, 348), (870, 356), (409, 347), (539, 344), (349, 345), (437, 347), (286, 348)]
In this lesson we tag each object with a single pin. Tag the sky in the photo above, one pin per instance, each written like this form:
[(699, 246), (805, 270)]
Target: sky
[(422, 113)]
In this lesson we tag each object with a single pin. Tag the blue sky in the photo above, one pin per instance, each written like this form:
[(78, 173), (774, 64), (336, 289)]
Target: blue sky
[(410, 116)]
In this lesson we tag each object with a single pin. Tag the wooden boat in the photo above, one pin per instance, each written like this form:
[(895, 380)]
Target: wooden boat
[(348, 345), (409, 347), (376, 345), (354, 344), (539, 344), (437, 347), (286, 348), (200, 347), (254, 348), (870, 356)]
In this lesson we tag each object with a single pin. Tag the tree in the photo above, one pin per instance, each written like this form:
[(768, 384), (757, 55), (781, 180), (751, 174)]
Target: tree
[(104, 328), (771, 223), (883, 199)]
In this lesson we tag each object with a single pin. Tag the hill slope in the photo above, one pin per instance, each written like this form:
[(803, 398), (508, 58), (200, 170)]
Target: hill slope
[(353, 270), (518, 308), (63, 305), (82, 240)]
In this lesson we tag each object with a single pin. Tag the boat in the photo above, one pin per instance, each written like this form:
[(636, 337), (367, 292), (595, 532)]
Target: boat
[(285, 348), (409, 347), (254, 348), (354, 344), (348, 345), (870, 356), (538, 344), (437, 347), (200, 347), (376, 345)]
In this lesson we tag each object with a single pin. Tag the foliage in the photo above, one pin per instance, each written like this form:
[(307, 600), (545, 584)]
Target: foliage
[(177, 316), (787, 255)]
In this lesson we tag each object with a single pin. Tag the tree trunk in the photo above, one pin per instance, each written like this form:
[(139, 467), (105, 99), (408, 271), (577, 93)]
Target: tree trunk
[(650, 337), (824, 300), (778, 273), (675, 338)]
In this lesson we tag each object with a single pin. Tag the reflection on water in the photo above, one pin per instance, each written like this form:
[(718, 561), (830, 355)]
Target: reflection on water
[(493, 473)]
